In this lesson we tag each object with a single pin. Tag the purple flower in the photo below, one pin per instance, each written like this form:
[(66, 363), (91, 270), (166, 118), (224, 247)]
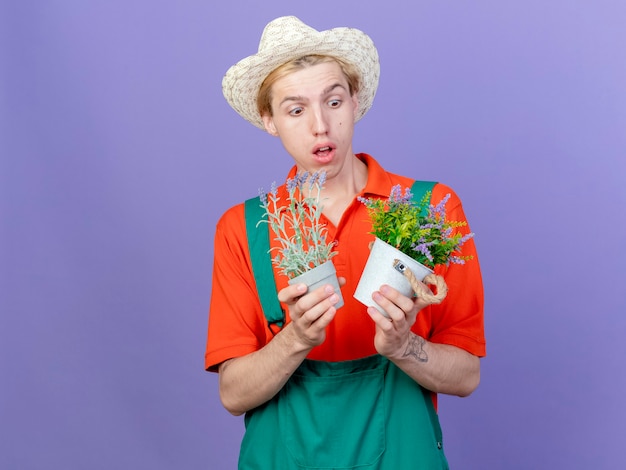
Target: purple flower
[(464, 238), (263, 196), (396, 196), (291, 184), (439, 211), (301, 178), (396, 193), (423, 249), (322, 178), (408, 196)]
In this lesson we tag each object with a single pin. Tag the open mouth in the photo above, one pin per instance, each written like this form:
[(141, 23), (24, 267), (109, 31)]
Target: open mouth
[(323, 151)]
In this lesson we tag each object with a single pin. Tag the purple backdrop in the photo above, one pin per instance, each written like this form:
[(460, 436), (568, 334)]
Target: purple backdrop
[(118, 154)]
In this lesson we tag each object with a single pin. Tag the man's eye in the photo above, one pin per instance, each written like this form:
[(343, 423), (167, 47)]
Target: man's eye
[(296, 111), (334, 103)]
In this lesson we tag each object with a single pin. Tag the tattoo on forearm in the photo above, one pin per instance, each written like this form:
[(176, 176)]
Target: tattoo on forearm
[(415, 348)]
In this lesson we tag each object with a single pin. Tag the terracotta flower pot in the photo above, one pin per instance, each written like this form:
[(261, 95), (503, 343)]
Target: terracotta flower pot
[(318, 276), (380, 270)]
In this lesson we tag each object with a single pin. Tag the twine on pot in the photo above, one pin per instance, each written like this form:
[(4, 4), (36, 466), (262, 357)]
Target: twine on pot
[(418, 287)]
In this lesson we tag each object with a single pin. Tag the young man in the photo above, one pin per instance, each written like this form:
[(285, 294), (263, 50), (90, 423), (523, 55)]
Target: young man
[(333, 388)]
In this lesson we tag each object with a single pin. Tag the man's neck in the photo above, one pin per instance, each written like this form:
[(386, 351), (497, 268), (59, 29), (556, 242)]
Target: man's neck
[(341, 189)]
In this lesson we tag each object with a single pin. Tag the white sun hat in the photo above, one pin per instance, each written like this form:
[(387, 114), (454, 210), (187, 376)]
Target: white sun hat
[(287, 38)]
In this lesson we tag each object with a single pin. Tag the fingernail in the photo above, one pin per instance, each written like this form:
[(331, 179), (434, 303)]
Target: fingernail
[(329, 289), (301, 287)]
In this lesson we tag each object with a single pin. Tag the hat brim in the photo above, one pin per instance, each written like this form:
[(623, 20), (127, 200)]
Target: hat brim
[(242, 81)]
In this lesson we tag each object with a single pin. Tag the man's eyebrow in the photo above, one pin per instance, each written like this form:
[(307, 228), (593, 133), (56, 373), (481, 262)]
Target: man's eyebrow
[(290, 98), (326, 91), (332, 87)]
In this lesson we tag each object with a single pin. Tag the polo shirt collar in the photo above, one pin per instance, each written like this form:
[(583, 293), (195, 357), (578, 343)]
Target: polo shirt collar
[(378, 180)]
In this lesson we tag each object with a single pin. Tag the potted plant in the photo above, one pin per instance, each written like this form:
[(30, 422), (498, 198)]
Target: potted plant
[(304, 253), (412, 238)]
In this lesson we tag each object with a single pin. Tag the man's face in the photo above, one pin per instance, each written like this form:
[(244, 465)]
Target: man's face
[(314, 117)]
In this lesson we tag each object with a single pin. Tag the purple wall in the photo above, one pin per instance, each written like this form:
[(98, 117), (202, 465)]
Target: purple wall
[(118, 154)]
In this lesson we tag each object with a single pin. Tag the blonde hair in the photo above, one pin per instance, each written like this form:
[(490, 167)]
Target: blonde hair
[(264, 98)]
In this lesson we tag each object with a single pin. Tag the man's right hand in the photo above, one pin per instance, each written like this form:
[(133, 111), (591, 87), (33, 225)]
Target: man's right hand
[(310, 312), (248, 381)]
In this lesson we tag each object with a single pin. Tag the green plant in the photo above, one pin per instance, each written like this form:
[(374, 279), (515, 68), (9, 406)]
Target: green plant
[(429, 239), (296, 224)]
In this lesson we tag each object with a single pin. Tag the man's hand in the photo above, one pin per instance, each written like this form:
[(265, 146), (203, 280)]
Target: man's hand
[(310, 312), (441, 368), (393, 332), (248, 381)]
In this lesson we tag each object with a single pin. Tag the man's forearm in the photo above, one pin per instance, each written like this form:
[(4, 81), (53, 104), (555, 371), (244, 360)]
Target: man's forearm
[(249, 381), (440, 368)]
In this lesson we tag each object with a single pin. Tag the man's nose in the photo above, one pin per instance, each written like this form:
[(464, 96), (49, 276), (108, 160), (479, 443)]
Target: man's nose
[(319, 122)]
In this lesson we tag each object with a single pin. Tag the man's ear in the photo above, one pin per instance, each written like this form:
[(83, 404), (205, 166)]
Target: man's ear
[(268, 122)]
